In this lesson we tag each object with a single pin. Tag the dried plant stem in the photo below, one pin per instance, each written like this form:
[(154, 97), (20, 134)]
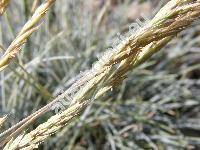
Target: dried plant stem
[(26, 31), (2, 120), (137, 48), (34, 6)]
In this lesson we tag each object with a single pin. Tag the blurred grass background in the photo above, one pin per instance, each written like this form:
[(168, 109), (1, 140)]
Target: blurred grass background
[(156, 107)]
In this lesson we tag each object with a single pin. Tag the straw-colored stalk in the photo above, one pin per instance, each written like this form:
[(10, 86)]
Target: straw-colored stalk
[(2, 120), (26, 31), (3, 6), (34, 5), (175, 16)]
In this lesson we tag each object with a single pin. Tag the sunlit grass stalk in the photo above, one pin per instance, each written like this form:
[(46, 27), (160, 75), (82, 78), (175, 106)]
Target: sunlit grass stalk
[(26, 31), (174, 17), (2, 120), (34, 5)]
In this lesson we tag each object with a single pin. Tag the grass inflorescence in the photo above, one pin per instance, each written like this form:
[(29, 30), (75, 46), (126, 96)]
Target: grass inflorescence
[(150, 105)]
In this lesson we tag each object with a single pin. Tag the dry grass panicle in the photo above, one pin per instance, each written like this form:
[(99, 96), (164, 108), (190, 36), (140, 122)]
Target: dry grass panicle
[(30, 27), (139, 46), (170, 20)]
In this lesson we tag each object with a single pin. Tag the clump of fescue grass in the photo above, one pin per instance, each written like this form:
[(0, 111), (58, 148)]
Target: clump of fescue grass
[(170, 20)]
